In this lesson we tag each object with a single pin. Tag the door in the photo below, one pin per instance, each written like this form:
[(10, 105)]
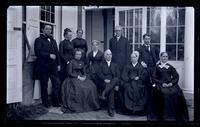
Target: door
[(14, 54)]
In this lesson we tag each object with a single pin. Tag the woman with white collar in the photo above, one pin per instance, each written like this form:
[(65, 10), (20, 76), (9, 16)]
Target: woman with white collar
[(169, 103)]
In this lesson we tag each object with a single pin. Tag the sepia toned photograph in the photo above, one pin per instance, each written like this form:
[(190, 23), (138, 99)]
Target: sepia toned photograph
[(100, 63)]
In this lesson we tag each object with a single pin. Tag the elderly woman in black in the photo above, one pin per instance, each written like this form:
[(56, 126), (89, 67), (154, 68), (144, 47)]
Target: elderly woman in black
[(79, 94), (169, 103), (134, 76)]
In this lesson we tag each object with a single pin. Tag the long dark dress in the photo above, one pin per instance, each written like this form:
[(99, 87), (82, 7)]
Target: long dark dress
[(66, 53), (81, 44), (135, 94), (94, 66), (78, 96), (169, 102)]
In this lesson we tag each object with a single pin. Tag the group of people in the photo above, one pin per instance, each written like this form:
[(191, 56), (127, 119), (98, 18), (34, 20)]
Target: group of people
[(141, 82)]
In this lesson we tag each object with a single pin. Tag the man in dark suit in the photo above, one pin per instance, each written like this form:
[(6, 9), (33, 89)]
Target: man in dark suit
[(120, 48), (109, 75), (48, 65), (149, 57)]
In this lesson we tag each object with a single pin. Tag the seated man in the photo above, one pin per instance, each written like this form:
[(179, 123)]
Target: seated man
[(109, 75)]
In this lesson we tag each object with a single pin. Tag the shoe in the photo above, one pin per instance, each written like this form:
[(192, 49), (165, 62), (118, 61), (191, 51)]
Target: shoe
[(111, 113), (47, 105)]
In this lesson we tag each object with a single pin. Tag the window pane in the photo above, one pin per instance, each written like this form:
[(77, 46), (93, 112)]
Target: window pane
[(138, 17), (155, 35), (122, 18), (42, 15), (136, 47), (181, 18), (47, 16), (180, 52), (123, 31), (171, 16), (171, 50), (138, 35), (52, 9), (155, 17), (130, 17), (156, 46), (148, 17), (52, 18), (171, 35), (181, 32), (130, 35), (148, 29), (48, 8)]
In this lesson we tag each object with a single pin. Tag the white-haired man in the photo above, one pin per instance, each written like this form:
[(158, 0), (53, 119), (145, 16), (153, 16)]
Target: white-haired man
[(109, 75)]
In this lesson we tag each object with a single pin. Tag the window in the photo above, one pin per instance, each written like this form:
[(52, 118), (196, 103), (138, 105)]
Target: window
[(47, 16), (175, 26), (131, 22), (154, 25)]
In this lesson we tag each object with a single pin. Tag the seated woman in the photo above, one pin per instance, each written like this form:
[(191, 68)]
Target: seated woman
[(79, 94), (169, 102), (134, 77)]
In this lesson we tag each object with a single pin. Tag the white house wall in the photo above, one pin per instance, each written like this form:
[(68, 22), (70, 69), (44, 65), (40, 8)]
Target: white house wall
[(69, 19)]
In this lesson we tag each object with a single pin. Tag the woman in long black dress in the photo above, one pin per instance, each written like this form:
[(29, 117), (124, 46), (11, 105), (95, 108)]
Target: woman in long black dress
[(134, 77), (169, 102), (79, 94), (66, 50), (80, 44), (95, 57)]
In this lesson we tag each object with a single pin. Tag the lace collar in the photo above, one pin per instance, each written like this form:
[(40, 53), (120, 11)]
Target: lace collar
[(163, 65)]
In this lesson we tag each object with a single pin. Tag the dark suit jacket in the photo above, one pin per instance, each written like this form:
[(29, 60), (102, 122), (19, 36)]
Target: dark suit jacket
[(120, 51), (150, 58), (111, 72), (43, 48)]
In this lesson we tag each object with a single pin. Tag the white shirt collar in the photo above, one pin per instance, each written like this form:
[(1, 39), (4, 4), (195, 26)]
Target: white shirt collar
[(118, 37), (108, 62), (48, 39), (134, 64), (95, 53), (146, 45)]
